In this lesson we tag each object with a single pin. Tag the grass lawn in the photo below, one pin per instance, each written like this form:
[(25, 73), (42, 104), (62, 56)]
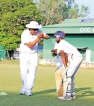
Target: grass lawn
[(44, 89)]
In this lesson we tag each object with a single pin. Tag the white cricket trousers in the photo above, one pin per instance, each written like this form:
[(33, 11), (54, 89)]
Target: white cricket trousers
[(74, 65), (28, 67)]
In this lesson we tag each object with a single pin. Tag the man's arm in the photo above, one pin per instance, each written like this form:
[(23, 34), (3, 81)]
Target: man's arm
[(31, 44), (63, 57), (46, 36)]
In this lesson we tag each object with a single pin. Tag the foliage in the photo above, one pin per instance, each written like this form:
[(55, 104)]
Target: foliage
[(84, 11), (51, 11), (14, 14), (56, 11)]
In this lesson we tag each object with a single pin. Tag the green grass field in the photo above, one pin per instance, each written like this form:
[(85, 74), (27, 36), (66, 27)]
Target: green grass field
[(44, 93)]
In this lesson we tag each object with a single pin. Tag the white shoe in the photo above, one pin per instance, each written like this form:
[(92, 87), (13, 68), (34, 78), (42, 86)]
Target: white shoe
[(28, 94), (61, 98), (68, 98), (22, 92), (71, 98)]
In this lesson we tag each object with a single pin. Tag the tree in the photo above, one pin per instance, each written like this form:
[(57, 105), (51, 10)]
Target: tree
[(13, 17), (74, 11), (56, 11), (51, 11), (84, 11)]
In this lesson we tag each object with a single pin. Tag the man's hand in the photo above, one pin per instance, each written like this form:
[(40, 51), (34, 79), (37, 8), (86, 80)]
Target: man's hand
[(64, 72), (46, 36), (54, 52), (67, 68), (41, 35)]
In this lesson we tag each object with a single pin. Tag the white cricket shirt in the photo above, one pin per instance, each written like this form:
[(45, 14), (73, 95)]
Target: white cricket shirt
[(59, 62), (56, 45), (68, 49), (26, 37)]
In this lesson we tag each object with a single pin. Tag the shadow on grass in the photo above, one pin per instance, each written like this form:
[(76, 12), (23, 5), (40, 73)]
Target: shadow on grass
[(82, 92), (45, 92)]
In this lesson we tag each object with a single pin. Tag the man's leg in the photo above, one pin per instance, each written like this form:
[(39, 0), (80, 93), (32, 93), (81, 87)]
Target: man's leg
[(31, 76), (23, 71), (70, 93), (74, 65), (69, 83)]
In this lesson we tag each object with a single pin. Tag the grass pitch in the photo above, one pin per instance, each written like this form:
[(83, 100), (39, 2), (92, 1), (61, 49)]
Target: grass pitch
[(44, 93)]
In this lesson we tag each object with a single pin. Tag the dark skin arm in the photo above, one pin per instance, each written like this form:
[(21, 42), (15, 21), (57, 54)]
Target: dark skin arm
[(46, 37), (63, 57), (41, 35), (31, 44)]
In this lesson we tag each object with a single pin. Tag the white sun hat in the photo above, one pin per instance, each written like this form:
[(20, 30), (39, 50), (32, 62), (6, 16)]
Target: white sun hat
[(33, 25)]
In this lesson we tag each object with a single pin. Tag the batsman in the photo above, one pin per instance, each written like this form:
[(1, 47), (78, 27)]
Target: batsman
[(60, 73), (75, 61)]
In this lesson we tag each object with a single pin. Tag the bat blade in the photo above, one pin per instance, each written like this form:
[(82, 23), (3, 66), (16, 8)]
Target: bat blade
[(60, 92)]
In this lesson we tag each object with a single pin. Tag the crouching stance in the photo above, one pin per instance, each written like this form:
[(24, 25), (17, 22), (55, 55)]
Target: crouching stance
[(75, 62), (60, 72)]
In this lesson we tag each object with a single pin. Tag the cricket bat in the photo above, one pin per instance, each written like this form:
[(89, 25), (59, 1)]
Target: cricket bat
[(60, 92), (59, 84)]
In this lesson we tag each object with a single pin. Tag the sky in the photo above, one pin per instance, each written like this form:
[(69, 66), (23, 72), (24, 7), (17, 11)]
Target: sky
[(89, 3)]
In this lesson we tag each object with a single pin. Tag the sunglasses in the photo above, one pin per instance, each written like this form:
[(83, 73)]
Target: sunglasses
[(33, 29)]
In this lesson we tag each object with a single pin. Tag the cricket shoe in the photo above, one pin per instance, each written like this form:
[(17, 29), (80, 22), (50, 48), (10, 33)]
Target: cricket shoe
[(71, 98), (68, 98), (73, 95), (62, 98), (22, 92), (28, 94)]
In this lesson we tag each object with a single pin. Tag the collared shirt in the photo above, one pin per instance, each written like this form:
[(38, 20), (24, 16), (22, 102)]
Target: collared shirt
[(68, 49), (56, 45), (59, 62), (26, 37)]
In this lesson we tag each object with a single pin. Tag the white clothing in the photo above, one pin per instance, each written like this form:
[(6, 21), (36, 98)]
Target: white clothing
[(27, 37), (75, 59), (73, 53), (28, 68), (68, 49), (74, 65), (56, 45), (28, 60), (59, 62)]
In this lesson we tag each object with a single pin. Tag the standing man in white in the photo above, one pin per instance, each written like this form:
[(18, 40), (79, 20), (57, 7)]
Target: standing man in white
[(76, 60), (28, 55)]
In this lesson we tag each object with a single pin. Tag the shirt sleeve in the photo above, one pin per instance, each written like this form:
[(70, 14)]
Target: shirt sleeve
[(24, 38), (39, 31), (56, 46), (60, 47)]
